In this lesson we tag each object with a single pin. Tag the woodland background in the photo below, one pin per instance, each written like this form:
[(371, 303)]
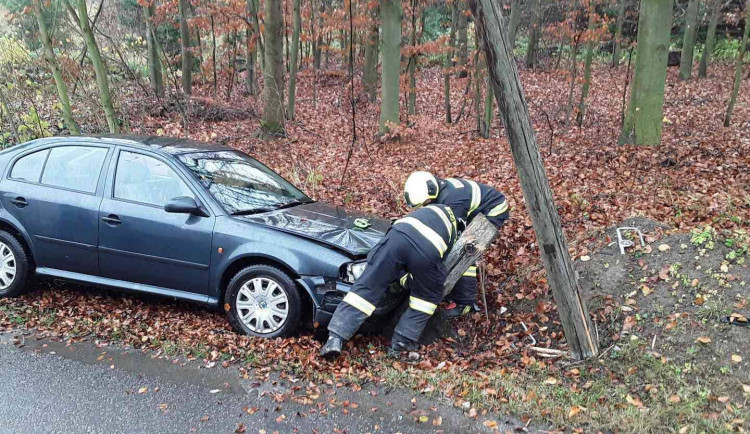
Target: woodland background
[(345, 99)]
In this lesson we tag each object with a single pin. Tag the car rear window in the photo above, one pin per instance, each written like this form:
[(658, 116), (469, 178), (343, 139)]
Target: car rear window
[(74, 167), (29, 167)]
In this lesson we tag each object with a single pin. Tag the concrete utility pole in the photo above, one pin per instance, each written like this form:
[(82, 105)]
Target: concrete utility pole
[(536, 189)]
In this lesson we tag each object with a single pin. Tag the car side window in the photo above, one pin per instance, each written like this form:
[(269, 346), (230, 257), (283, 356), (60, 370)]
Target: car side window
[(29, 167), (74, 167), (145, 179)]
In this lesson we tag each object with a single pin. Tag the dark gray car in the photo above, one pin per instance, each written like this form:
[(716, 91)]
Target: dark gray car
[(182, 219)]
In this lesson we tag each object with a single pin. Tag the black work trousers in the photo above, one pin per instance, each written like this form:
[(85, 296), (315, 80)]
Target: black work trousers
[(393, 256)]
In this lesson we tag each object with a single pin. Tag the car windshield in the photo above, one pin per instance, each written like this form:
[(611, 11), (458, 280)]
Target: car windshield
[(242, 184)]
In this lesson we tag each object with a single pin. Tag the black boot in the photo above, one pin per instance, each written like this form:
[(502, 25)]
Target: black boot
[(400, 344), (458, 310), (332, 347)]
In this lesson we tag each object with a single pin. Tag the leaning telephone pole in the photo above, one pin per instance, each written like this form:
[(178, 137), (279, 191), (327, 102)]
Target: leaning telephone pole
[(536, 189)]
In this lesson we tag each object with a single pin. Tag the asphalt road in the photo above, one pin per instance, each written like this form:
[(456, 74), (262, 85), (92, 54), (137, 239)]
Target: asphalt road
[(48, 387)]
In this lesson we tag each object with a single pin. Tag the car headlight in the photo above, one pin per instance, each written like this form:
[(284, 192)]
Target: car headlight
[(354, 270)]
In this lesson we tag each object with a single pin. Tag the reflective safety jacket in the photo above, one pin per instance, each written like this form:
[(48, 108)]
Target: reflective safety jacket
[(469, 198), (432, 229)]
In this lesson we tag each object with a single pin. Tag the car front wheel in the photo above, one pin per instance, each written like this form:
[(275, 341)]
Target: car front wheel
[(263, 301), (14, 266)]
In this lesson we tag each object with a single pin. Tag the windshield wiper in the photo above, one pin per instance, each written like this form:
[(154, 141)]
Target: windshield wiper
[(251, 211), (295, 203)]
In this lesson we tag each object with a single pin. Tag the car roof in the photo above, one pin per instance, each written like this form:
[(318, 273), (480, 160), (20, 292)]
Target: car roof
[(168, 145)]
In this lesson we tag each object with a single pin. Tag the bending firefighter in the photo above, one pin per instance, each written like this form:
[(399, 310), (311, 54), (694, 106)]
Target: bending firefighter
[(414, 244), (466, 199)]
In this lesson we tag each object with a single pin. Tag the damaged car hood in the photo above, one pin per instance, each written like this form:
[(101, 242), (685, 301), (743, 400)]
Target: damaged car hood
[(332, 225)]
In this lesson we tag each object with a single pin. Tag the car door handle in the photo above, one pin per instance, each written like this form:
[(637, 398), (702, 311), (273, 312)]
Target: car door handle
[(19, 202), (112, 220)]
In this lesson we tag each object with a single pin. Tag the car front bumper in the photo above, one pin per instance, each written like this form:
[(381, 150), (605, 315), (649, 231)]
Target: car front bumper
[(326, 294)]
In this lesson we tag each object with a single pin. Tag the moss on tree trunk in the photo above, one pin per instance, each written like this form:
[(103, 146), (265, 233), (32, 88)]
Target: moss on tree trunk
[(708, 48), (49, 56), (272, 122), (390, 11), (643, 120), (738, 67), (688, 41), (294, 61)]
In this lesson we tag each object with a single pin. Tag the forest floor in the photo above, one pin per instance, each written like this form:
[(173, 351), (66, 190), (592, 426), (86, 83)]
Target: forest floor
[(668, 363)]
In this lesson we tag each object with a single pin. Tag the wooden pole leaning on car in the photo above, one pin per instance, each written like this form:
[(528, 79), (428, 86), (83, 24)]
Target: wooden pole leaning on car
[(537, 192)]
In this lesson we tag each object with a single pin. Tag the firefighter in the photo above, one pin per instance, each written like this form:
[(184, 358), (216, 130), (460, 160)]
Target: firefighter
[(466, 199), (414, 244)]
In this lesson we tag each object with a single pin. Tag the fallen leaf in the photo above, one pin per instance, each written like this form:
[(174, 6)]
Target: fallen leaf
[(551, 380), (574, 410), (646, 290), (491, 424), (736, 358), (746, 388), (163, 407), (280, 418), (205, 418), (723, 399), (143, 390), (241, 428), (437, 421), (664, 247), (703, 340), (664, 274), (423, 419), (675, 399)]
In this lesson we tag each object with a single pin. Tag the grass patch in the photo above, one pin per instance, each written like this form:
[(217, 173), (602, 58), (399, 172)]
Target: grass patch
[(630, 389)]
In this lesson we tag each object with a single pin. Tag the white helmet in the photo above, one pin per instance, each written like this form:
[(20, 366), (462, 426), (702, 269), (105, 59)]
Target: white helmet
[(420, 187)]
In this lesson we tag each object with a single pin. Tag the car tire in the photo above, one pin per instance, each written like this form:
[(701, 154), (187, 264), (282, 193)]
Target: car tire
[(264, 294), (12, 251)]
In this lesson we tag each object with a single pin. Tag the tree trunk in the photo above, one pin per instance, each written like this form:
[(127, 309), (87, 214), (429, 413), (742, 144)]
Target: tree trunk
[(100, 68), (489, 108), (49, 56), (536, 189), (479, 66), (688, 42), (573, 75), (515, 17), (371, 55), (293, 67), (187, 56), (260, 46), (319, 43), (590, 45), (463, 39), (738, 67), (213, 56), (251, 35), (391, 16), (621, 8), (534, 36), (643, 120), (272, 122), (710, 38), (154, 64), (411, 106), (449, 65)]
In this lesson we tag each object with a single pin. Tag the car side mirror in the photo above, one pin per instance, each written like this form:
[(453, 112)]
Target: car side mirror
[(184, 205)]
